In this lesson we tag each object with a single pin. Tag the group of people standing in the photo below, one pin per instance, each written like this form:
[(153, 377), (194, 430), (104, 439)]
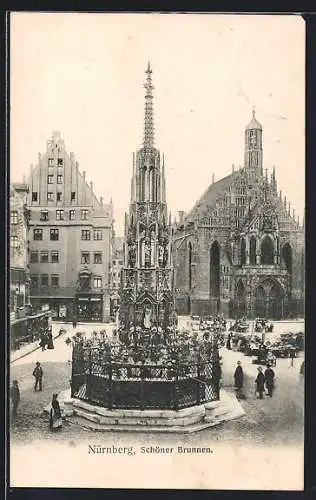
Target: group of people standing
[(55, 417), (46, 340), (264, 381)]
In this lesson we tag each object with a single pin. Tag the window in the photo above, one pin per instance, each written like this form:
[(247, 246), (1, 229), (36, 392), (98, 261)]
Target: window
[(54, 234), (44, 257), (97, 234), (55, 280), (50, 179), (50, 162), (120, 262), (50, 196), (34, 257), (73, 195), (60, 162), (59, 215), (14, 217), (85, 258), (59, 196), (14, 242), (37, 234), (98, 258), (55, 257), (72, 214), (44, 215), (34, 196), (59, 179), (85, 234), (84, 214), (34, 280), (97, 282), (44, 279)]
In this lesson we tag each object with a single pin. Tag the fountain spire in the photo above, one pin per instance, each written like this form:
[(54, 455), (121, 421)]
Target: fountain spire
[(149, 130)]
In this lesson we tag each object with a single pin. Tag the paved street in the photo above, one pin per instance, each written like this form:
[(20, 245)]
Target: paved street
[(276, 420), (247, 453)]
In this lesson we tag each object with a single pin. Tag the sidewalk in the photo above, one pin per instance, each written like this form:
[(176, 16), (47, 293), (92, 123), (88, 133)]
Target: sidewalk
[(26, 349)]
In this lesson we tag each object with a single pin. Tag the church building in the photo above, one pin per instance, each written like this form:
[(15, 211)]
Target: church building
[(240, 250)]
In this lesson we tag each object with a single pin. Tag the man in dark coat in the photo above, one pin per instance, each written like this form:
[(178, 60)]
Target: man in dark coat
[(15, 397), (260, 383), (269, 380), (38, 374), (239, 379)]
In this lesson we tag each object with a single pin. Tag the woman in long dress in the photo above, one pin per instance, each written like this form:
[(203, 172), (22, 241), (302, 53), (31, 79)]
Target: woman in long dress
[(55, 421)]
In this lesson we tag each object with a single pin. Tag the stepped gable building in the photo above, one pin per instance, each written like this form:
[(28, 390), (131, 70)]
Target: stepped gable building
[(70, 238), (147, 289), (240, 251)]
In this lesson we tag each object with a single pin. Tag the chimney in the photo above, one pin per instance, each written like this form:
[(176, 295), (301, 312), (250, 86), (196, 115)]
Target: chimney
[(213, 178), (181, 217), (280, 194)]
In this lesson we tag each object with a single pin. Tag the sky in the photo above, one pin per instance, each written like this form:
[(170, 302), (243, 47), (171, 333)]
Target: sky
[(83, 75)]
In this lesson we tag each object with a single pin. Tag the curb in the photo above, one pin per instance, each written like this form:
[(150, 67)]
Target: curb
[(29, 352)]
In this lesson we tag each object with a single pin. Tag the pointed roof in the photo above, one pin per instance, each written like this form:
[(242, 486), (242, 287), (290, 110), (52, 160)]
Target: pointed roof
[(254, 124), (149, 129), (210, 196)]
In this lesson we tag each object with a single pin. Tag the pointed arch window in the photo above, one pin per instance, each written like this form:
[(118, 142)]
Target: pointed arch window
[(190, 266), (267, 251), (242, 252), (253, 251)]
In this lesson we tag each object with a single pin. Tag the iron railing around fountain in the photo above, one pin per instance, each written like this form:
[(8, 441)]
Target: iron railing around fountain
[(130, 385)]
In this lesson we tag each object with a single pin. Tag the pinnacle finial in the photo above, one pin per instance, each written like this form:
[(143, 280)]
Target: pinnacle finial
[(149, 114), (254, 111)]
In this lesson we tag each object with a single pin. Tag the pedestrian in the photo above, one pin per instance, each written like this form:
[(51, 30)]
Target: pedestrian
[(15, 398), (74, 322), (43, 341), (50, 344), (260, 380), (292, 355), (228, 343), (302, 369), (269, 376), (55, 421), (38, 374), (239, 380)]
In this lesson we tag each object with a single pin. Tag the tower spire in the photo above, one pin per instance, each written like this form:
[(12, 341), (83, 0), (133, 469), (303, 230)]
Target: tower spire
[(149, 113)]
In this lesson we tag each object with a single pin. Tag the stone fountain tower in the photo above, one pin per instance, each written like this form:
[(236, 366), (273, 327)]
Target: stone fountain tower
[(147, 282)]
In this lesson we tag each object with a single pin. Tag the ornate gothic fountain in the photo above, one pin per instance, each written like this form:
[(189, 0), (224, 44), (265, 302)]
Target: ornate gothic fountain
[(147, 287)]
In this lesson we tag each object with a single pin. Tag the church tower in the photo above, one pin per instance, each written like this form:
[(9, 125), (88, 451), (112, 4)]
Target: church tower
[(147, 297), (253, 145)]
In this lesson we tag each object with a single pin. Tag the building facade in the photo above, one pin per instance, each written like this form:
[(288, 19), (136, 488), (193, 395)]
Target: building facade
[(19, 269), (240, 251), (116, 270), (70, 238)]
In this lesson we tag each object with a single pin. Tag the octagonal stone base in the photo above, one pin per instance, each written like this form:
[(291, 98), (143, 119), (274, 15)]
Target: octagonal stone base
[(182, 421)]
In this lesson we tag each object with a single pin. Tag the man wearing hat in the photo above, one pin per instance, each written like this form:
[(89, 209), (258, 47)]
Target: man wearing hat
[(38, 374), (269, 379)]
